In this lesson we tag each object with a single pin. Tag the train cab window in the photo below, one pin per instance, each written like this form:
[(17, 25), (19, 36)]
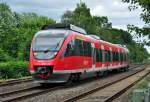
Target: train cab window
[(47, 43)]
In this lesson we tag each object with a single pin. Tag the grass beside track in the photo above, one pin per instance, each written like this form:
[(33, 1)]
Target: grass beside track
[(7, 80), (143, 84)]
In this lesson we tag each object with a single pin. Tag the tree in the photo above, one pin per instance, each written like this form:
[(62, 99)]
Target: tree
[(102, 22), (81, 17), (16, 32), (144, 4), (29, 24), (8, 37), (139, 34), (67, 17)]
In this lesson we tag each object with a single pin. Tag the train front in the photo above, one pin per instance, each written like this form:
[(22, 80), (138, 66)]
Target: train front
[(44, 55)]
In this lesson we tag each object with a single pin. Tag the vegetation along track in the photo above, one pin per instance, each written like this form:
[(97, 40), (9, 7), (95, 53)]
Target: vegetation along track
[(25, 93), (103, 93), (16, 81)]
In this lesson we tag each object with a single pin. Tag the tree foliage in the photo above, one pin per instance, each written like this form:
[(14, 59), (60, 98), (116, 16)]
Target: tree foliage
[(100, 26), (81, 17), (17, 30), (137, 51), (102, 22), (144, 4), (139, 34)]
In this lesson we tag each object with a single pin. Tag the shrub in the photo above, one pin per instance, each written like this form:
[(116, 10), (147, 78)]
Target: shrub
[(13, 69)]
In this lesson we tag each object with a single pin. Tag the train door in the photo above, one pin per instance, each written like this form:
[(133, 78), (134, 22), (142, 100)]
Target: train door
[(93, 56)]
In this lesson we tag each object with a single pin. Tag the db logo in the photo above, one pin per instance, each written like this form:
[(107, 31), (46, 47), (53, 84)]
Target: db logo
[(85, 62)]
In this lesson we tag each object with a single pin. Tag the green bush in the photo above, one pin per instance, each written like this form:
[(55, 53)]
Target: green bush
[(13, 69)]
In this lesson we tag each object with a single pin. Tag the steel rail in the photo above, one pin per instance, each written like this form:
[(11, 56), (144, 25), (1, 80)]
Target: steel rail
[(82, 95)]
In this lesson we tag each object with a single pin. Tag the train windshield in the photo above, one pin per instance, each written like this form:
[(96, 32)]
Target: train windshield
[(46, 44)]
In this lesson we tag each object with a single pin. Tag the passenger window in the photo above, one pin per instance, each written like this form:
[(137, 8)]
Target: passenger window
[(70, 49)]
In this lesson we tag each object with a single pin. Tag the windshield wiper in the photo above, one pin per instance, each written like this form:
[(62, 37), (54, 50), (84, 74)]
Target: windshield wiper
[(45, 51)]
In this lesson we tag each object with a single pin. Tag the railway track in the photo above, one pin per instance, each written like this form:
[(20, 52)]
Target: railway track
[(16, 81), (102, 93), (25, 93), (22, 94)]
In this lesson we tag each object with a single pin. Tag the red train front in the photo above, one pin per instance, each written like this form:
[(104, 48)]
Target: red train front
[(63, 51)]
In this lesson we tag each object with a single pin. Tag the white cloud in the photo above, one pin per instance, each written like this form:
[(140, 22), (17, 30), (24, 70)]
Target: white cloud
[(116, 11)]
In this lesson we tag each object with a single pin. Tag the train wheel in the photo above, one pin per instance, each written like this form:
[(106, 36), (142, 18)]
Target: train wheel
[(78, 76), (98, 74), (70, 79), (126, 68), (105, 73)]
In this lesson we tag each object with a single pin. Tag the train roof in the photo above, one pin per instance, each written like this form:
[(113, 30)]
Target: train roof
[(81, 31), (65, 26)]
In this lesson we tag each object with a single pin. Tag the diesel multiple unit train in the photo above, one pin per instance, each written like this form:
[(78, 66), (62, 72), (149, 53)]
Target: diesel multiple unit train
[(61, 52)]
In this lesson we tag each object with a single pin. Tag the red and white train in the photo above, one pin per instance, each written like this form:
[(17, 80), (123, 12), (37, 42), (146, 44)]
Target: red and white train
[(60, 52)]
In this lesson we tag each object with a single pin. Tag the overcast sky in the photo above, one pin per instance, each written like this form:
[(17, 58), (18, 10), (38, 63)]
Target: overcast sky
[(116, 11)]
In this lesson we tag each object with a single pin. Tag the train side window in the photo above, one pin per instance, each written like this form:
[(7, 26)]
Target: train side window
[(97, 55), (111, 56), (120, 56), (103, 56), (69, 49), (78, 48), (107, 55), (87, 49), (125, 54), (117, 56), (100, 55), (114, 56)]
